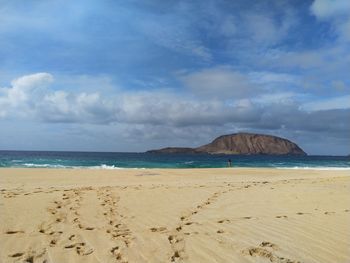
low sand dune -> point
(198, 215)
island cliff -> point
(242, 143)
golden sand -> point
(164, 215)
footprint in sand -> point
(85, 228)
(117, 254)
(179, 228)
(30, 256)
(59, 219)
(329, 213)
(281, 216)
(80, 248)
(11, 232)
(176, 256)
(53, 242)
(261, 252)
(173, 239)
(16, 255)
(224, 221)
(268, 244)
(158, 229)
(29, 259)
(82, 251)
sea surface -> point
(108, 160)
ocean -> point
(109, 160)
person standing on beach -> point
(229, 163)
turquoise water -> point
(101, 160)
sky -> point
(91, 75)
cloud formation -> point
(30, 97)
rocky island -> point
(241, 143)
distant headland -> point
(241, 143)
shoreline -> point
(77, 177)
(318, 168)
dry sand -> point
(194, 215)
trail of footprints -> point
(60, 211)
(16, 192)
(66, 210)
(116, 228)
(177, 236)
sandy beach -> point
(169, 215)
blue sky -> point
(130, 76)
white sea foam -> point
(35, 165)
(102, 166)
(113, 167)
(105, 167)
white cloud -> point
(342, 102)
(285, 98)
(329, 8)
(167, 110)
(344, 29)
(335, 11)
(32, 81)
(58, 100)
(219, 82)
(263, 28)
(21, 91)
(26, 85)
(30, 97)
(265, 77)
(317, 70)
(170, 109)
(139, 107)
